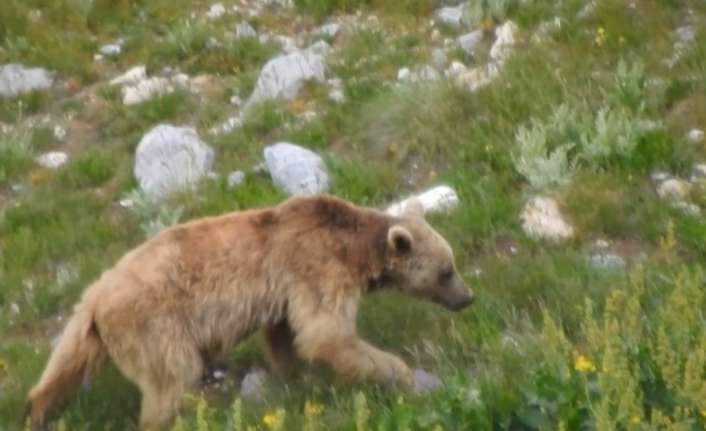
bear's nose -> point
(463, 303)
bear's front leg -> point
(333, 340)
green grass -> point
(521, 356)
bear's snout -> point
(454, 297)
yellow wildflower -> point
(312, 409)
(584, 365)
(635, 420)
(600, 36)
(274, 421)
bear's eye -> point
(445, 275)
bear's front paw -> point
(425, 382)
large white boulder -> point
(170, 158)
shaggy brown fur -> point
(195, 290)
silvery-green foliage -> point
(629, 86)
(543, 166)
(154, 217)
(615, 132)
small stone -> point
(404, 74)
(212, 43)
(541, 219)
(110, 50)
(253, 385)
(228, 125)
(587, 11)
(296, 170)
(235, 100)
(456, 69)
(606, 261)
(52, 159)
(504, 42)
(440, 199)
(216, 11)
(337, 95)
(244, 30)
(674, 188)
(451, 15)
(59, 133)
(469, 41)
(329, 30)
(131, 77)
(698, 172)
(16, 80)
(696, 136)
(439, 58)
(146, 90)
(425, 382)
(235, 179)
(659, 176)
(687, 208)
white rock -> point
(235, 179)
(439, 58)
(404, 74)
(282, 77)
(216, 11)
(587, 11)
(673, 188)
(235, 100)
(111, 50)
(451, 15)
(541, 219)
(146, 90)
(253, 385)
(288, 44)
(329, 30)
(469, 41)
(228, 125)
(477, 77)
(296, 170)
(425, 382)
(504, 42)
(337, 95)
(606, 261)
(687, 208)
(212, 43)
(696, 136)
(170, 158)
(52, 159)
(59, 133)
(455, 70)
(16, 79)
(245, 30)
(440, 199)
(659, 176)
(698, 172)
(547, 28)
(131, 77)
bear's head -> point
(420, 262)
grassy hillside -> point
(588, 112)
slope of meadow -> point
(595, 105)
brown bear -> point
(197, 289)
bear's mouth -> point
(454, 301)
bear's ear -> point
(399, 239)
(414, 208)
